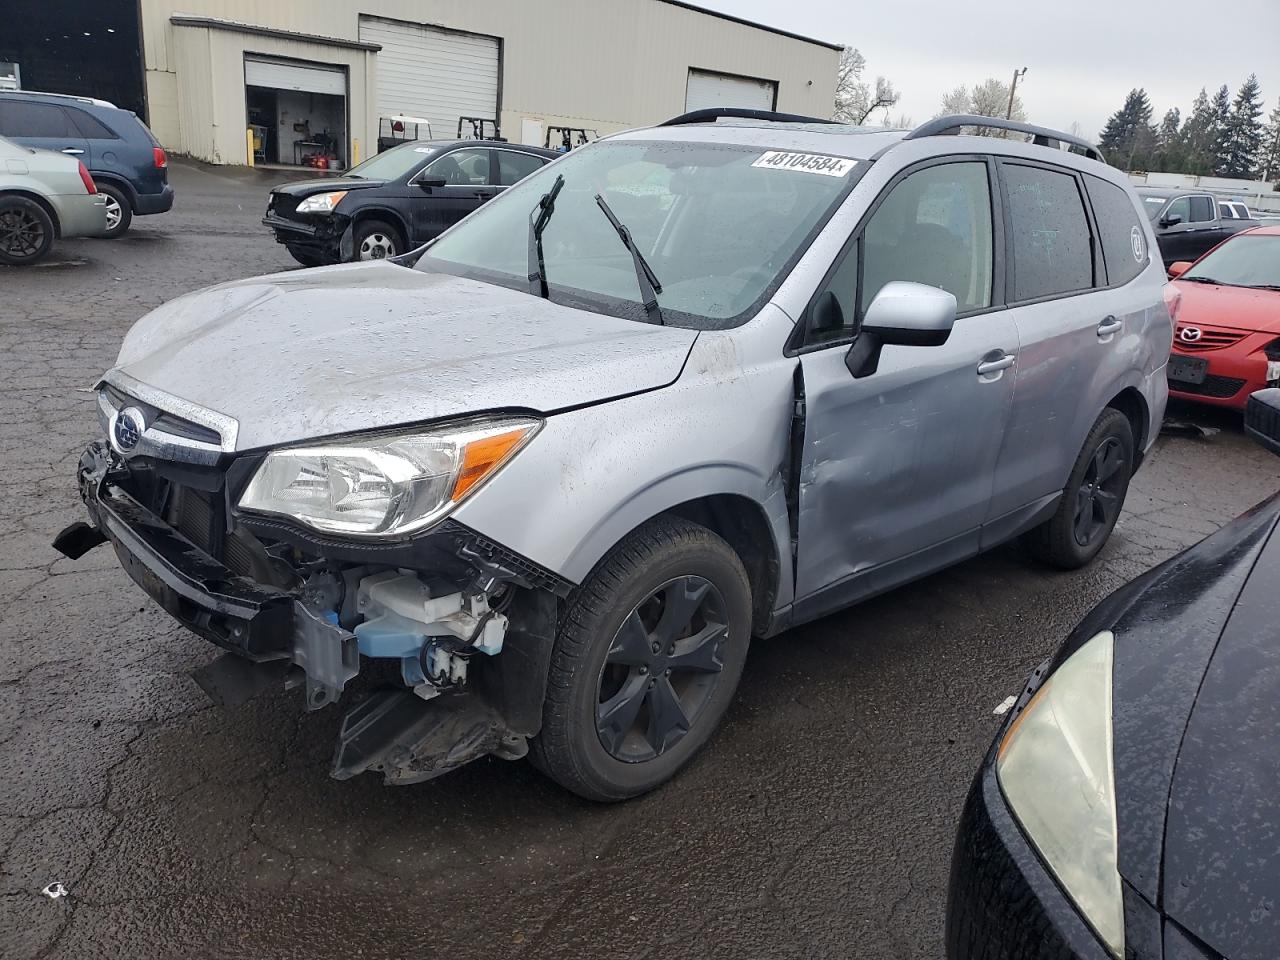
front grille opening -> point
(1219, 388)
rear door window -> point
(1051, 245)
(46, 121)
(1124, 242)
(514, 167)
(1201, 209)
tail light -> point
(87, 180)
(1172, 300)
(161, 160)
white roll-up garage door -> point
(708, 89)
(433, 73)
(282, 75)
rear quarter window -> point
(1124, 242)
(90, 127)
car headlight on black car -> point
(1055, 769)
(388, 485)
(321, 202)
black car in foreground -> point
(1130, 806)
(396, 200)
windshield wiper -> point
(1200, 280)
(648, 280)
(1264, 286)
(538, 220)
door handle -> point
(1110, 325)
(72, 150)
(988, 367)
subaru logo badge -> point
(1191, 334)
(126, 429)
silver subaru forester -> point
(686, 386)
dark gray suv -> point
(126, 160)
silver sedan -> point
(44, 196)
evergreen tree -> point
(1220, 108)
(1271, 147)
(1197, 136)
(1242, 133)
(1169, 153)
(1128, 139)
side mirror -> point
(903, 314)
(427, 183)
(1179, 268)
(1262, 418)
(1171, 220)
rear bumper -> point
(82, 216)
(145, 204)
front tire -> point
(1093, 498)
(648, 655)
(376, 240)
(119, 212)
(26, 231)
(305, 256)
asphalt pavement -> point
(818, 823)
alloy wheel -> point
(113, 212)
(21, 233)
(377, 246)
(1098, 497)
(661, 669)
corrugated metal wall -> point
(605, 64)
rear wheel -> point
(376, 240)
(119, 212)
(647, 658)
(1093, 498)
(26, 231)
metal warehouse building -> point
(309, 76)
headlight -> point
(1055, 768)
(321, 202)
(386, 485)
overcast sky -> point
(1082, 56)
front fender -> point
(593, 475)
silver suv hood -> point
(300, 355)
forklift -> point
(569, 138)
(480, 127)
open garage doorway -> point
(297, 112)
(90, 48)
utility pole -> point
(1013, 88)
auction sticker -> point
(806, 163)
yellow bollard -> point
(248, 145)
(355, 152)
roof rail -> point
(65, 96)
(1041, 136)
(712, 114)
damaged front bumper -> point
(472, 638)
(327, 238)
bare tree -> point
(990, 98)
(856, 99)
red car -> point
(1226, 313)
